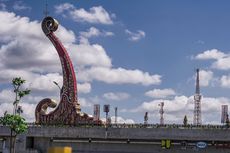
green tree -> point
(15, 122)
(19, 93)
(17, 125)
(185, 122)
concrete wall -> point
(117, 140)
(132, 133)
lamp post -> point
(57, 84)
(106, 110)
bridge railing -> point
(178, 126)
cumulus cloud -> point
(160, 93)
(135, 36)
(175, 109)
(28, 104)
(116, 96)
(210, 54)
(96, 14)
(27, 40)
(121, 120)
(85, 102)
(221, 59)
(93, 32)
(222, 63)
(119, 76)
(225, 81)
(89, 55)
(6, 96)
(84, 87)
(205, 78)
(28, 110)
(45, 82)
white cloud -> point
(175, 109)
(61, 8)
(44, 82)
(85, 103)
(160, 93)
(210, 54)
(96, 14)
(28, 110)
(121, 120)
(225, 81)
(222, 63)
(119, 76)
(89, 55)
(6, 107)
(19, 5)
(6, 96)
(116, 96)
(135, 36)
(205, 77)
(39, 82)
(84, 87)
(93, 32)
(27, 40)
(222, 60)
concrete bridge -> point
(123, 138)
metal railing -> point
(175, 126)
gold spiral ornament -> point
(49, 25)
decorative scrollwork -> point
(49, 25)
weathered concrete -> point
(117, 140)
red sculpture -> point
(68, 111)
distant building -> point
(96, 113)
(224, 113)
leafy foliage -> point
(16, 123)
(17, 83)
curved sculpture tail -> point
(68, 110)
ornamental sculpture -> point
(68, 110)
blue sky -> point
(130, 54)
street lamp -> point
(57, 84)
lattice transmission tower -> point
(197, 102)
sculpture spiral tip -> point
(49, 25)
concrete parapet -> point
(135, 139)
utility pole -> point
(106, 110)
(115, 115)
(161, 111)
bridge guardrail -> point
(140, 125)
